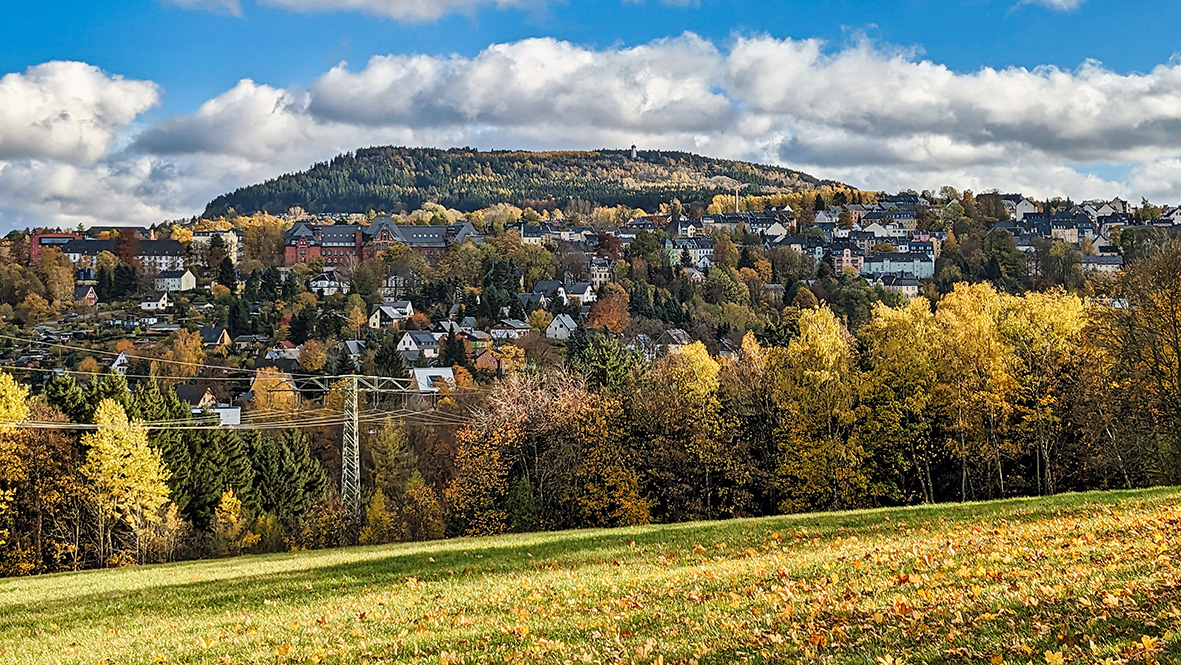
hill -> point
(1078, 577)
(393, 179)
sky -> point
(139, 111)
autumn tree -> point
(127, 479)
(611, 311)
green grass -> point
(1086, 576)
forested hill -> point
(395, 179)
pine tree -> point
(226, 275)
(64, 394)
(239, 471)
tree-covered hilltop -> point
(396, 179)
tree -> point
(1043, 329)
(364, 281)
(231, 527)
(127, 247)
(975, 380)
(127, 479)
(227, 276)
(313, 356)
(611, 311)
(13, 402)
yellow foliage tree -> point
(127, 478)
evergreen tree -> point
(64, 394)
(227, 276)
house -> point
(675, 340)
(153, 255)
(231, 240)
(906, 285)
(86, 296)
(398, 283)
(423, 342)
(1019, 206)
(198, 398)
(549, 290)
(326, 283)
(490, 362)
(155, 301)
(510, 329)
(1103, 264)
(847, 258)
(433, 379)
(121, 363)
(920, 266)
(601, 272)
(176, 280)
(336, 243)
(561, 327)
(477, 340)
(581, 293)
(243, 342)
(215, 336)
(390, 313)
(532, 235)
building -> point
(423, 342)
(383, 316)
(921, 266)
(1103, 264)
(231, 240)
(155, 301)
(153, 255)
(85, 296)
(602, 271)
(581, 293)
(42, 241)
(176, 280)
(337, 243)
(510, 329)
(213, 337)
(326, 283)
(561, 327)
(433, 379)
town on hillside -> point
(505, 287)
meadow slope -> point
(1086, 578)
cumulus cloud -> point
(867, 114)
(67, 111)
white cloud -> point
(231, 7)
(403, 10)
(1060, 5)
(869, 115)
(67, 111)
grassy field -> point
(1088, 578)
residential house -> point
(1103, 264)
(85, 296)
(1019, 206)
(675, 340)
(477, 340)
(561, 327)
(582, 293)
(155, 301)
(423, 342)
(198, 398)
(908, 286)
(847, 258)
(920, 266)
(510, 329)
(153, 255)
(176, 280)
(550, 290)
(601, 272)
(433, 379)
(327, 283)
(215, 336)
(398, 283)
(383, 316)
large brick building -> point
(335, 243)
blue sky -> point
(168, 102)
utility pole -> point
(350, 445)
(350, 449)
